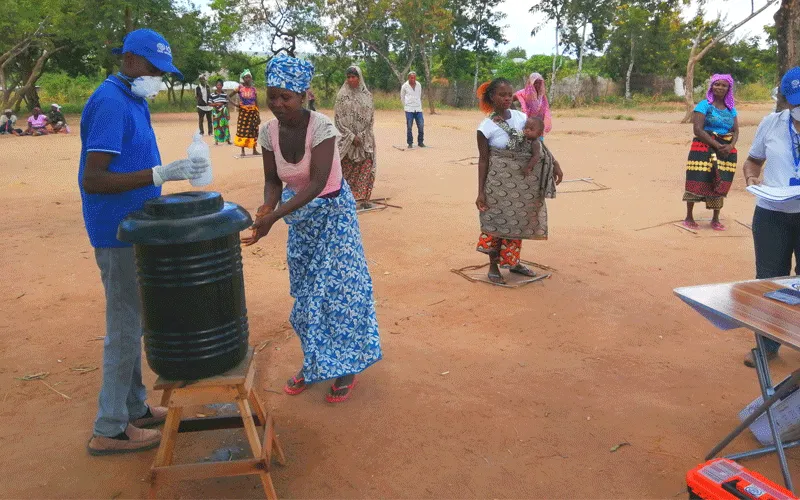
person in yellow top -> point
(249, 118)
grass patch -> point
(754, 92)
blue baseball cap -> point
(790, 86)
(153, 47)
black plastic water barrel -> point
(189, 266)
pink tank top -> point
(297, 176)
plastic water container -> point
(198, 150)
(191, 286)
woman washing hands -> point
(334, 311)
(512, 183)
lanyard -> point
(795, 149)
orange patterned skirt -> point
(506, 250)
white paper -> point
(776, 194)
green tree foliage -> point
(272, 27)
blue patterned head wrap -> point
(289, 73)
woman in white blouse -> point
(511, 197)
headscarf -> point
(355, 116)
(729, 102)
(535, 104)
(244, 74)
(54, 105)
(289, 73)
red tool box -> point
(723, 479)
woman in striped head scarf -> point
(334, 311)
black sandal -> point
(520, 269)
(496, 278)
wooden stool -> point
(234, 386)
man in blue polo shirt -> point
(120, 169)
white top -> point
(204, 95)
(411, 97)
(773, 143)
(496, 136)
(4, 119)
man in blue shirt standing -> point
(120, 169)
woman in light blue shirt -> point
(712, 157)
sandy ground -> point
(483, 392)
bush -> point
(70, 92)
(754, 92)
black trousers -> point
(776, 237)
(207, 114)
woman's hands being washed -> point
(265, 219)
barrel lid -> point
(189, 204)
(183, 218)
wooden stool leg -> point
(168, 437)
(165, 397)
(249, 427)
(151, 492)
(255, 403)
(274, 445)
(269, 488)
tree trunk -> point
(401, 75)
(5, 59)
(576, 90)
(787, 33)
(183, 88)
(477, 50)
(128, 19)
(36, 72)
(553, 74)
(630, 72)
(426, 64)
(688, 87)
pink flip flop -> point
(690, 225)
(294, 391)
(330, 398)
(718, 226)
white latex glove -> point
(179, 170)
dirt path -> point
(484, 392)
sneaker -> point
(410, 146)
(422, 145)
(130, 441)
(751, 363)
(155, 415)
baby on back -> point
(533, 132)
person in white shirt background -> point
(203, 93)
(8, 123)
(411, 97)
(776, 225)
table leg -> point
(787, 387)
(760, 451)
(765, 381)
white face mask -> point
(146, 86)
(796, 113)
